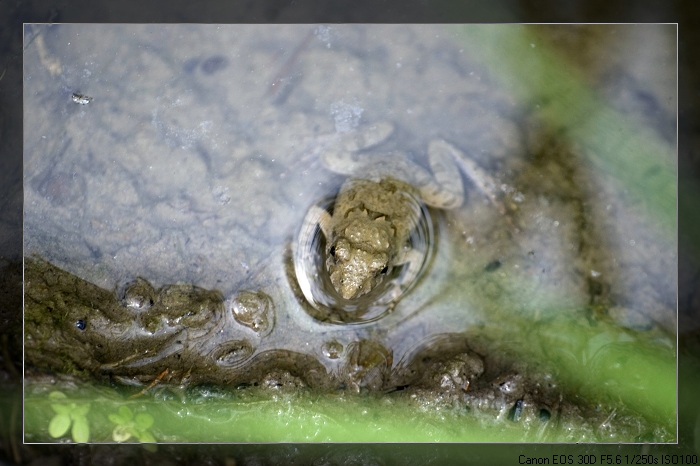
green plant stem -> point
(643, 163)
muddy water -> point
(198, 157)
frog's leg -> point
(303, 251)
(445, 191)
(485, 182)
(340, 158)
(488, 185)
(413, 260)
(318, 216)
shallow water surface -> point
(198, 158)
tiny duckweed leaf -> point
(61, 409)
(57, 396)
(143, 421)
(59, 425)
(117, 419)
(146, 437)
(126, 413)
(81, 410)
(81, 430)
(121, 433)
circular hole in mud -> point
(137, 295)
(332, 349)
(253, 310)
(232, 353)
(325, 303)
(367, 366)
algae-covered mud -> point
(171, 172)
(188, 340)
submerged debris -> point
(81, 99)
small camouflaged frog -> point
(376, 209)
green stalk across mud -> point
(627, 374)
(643, 164)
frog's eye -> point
(385, 269)
(332, 251)
(80, 324)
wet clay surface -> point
(187, 337)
